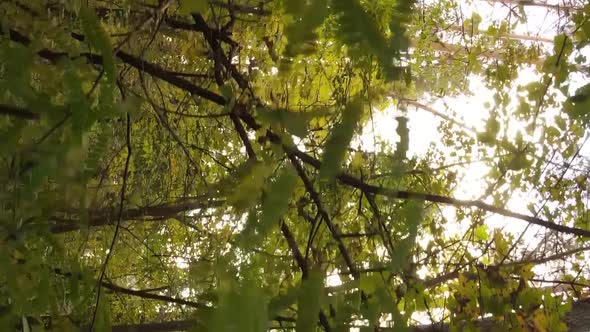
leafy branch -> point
(349, 180)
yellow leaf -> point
(501, 244)
(357, 161)
(540, 321)
(527, 272)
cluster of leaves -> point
(365, 29)
(191, 164)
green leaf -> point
(78, 104)
(562, 45)
(518, 162)
(309, 301)
(529, 299)
(493, 125)
(17, 70)
(251, 177)
(560, 122)
(412, 216)
(132, 106)
(492, 128)
(370, 282)
(227, 91)
(296, 125)
(371, 311)
(103, 315)
(242, 308)
(364, 36)
(578, 105)
(99, 40)
(293, 122)
(399, 322)
(337, 143)
(274, 205)
(481, 233)
(276, 202)
(306, 18)
(282, 301)
(193, 6)
(501, 244)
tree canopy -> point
(223, 165)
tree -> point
(180, 165)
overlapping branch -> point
(344, 178)
(104, 217)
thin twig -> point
(117, 226)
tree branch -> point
(243, 136)
(303, 267)
(104, 217)
(409, 195)
(18, 112)
(152, 296)
(543, 260)
(316, 199)
(118, 224)
(176, 24)
(242, 9)
(349, 180)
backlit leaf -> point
(293, 122)
(412, 216)
(308, 302)
(241, 308)
(250, 178)
(277, 199)
(307, 17)
(98, 39)
(103, 316)
(339, 139)
(481, 233)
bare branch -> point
(157, 212)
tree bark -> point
(157, 212)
